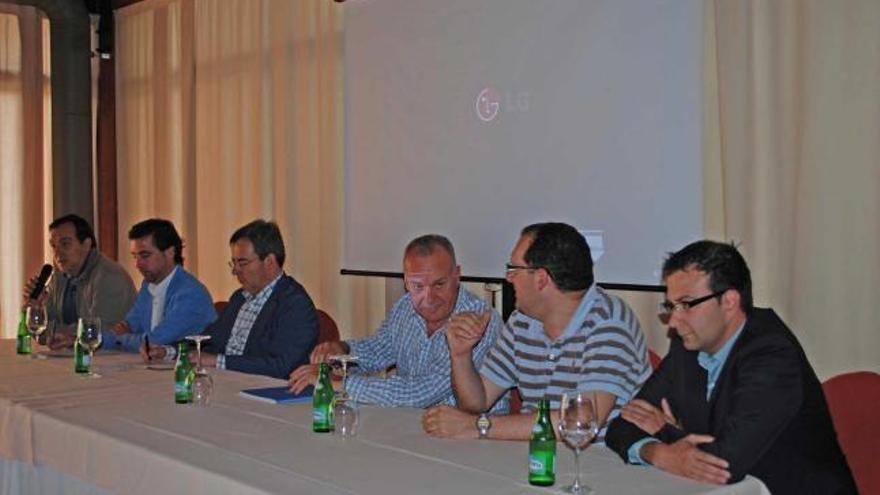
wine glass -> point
(36, 323)
(578, 425)
(198, 340)
(203, 383)
(345, 416)
(90, 338)
(343, 361)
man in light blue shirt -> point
(412, 337)
(171, 303)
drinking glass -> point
(578, 426)
(36, 324)
(203, 383)
(343, 361)
(202, 387)
(345, 416)
(90, 338)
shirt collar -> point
(588, 300)
(161, 287)
(91, 261)
(711, 362)
(264, 292)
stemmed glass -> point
(203, 384)
(345, 411)
(343, 361)
(36, 323)
(90, 338)
(578, 425)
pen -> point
(147, 347)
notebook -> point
(278, 395)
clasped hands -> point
(681, 457)
(307, 374)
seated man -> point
(745, 398)
(171, 303)
(270, 325)
(568, 335)
(85, 282)
(412, 336)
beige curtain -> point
(25, 154)
(792, 120)
(229, 110)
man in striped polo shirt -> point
(567, 335)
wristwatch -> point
(483, 424)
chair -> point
(654, 359)
(327, 329)
(852, 398)
(219, 306)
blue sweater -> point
(188, 310)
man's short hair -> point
(266, 238)
(83, 229)
(164, 236)
(561, 250)
(726, 267)
(425, 245)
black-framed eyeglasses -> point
(668, 307)
(510, 268)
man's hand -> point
(449, 422)
(61, 341)
(121, 328)
(302, 377)
(157, 352)
(685, 459)
(464, 330)
(25, 295)
(647, 417)
(306, 375)
(326, 349)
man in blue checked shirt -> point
(412, 338)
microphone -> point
(42, 278)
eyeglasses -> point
(240, 263)
(668, 307)
(510, 268)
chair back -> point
(852, 398)
(654, 359)
(327, 329)
(219, 306)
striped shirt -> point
(422, 378)
(602, 348)
(244, 321)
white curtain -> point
(25, 154)
(230, 110)
(792, 121)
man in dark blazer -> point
(735, 395)
(270, 325)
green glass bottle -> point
(542, 448)
(81, 358)
(322, 401)
(23, 338)
(183, 376)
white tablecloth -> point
(124, 433)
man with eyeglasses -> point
(412, 337)
(270, 325)
(171, 302)
(568, 335)
(735, 395)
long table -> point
(123, 433)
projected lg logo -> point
(490, 102)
